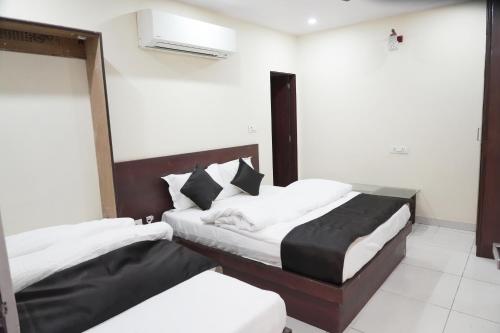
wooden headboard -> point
(140, 191)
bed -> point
(256, 260)
(208, 302)
(264, 246)
(115, 276)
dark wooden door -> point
(488, 228)
(284, 128)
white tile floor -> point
(441, 287)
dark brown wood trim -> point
(35, 43)
(110, 195)
(293, 89)
(100, 120)
(484, 125)
(46, 39)
(44, 28)
(141, 192)
(323, 305)
(488, 218)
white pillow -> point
(176, 182)
(40, 239)
(227, 172)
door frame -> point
(488, 214)
(293, 124)
(59, 41)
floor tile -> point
(462, 323)
(482, 269)
(480, 299)
(423, 254)
(454, 239)
(447, 238)
(423, 284)
(298, 326)
(423, 231)
(391, 313)
(426, 284)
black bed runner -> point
(316, 249)
(87, 294)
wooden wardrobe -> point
(488, 227)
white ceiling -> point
(291, 15)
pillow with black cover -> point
(247, 179)
(201, 188)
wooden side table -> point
(405, 193)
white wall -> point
(357, 100)
(48, 171)
(163, 104)
(160, 103)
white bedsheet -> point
(208, 302)
(39, 239)
(33, 267)
(265, 245)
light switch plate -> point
(400, 150)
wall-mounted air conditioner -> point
(167, 32)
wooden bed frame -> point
(140, 192)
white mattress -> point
(265, 245)
(208, 302)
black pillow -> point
(247, 179)
(201, 188)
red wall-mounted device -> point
(399, 38)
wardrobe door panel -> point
(488, 229)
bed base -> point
(326, 306)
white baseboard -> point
(447, 224)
